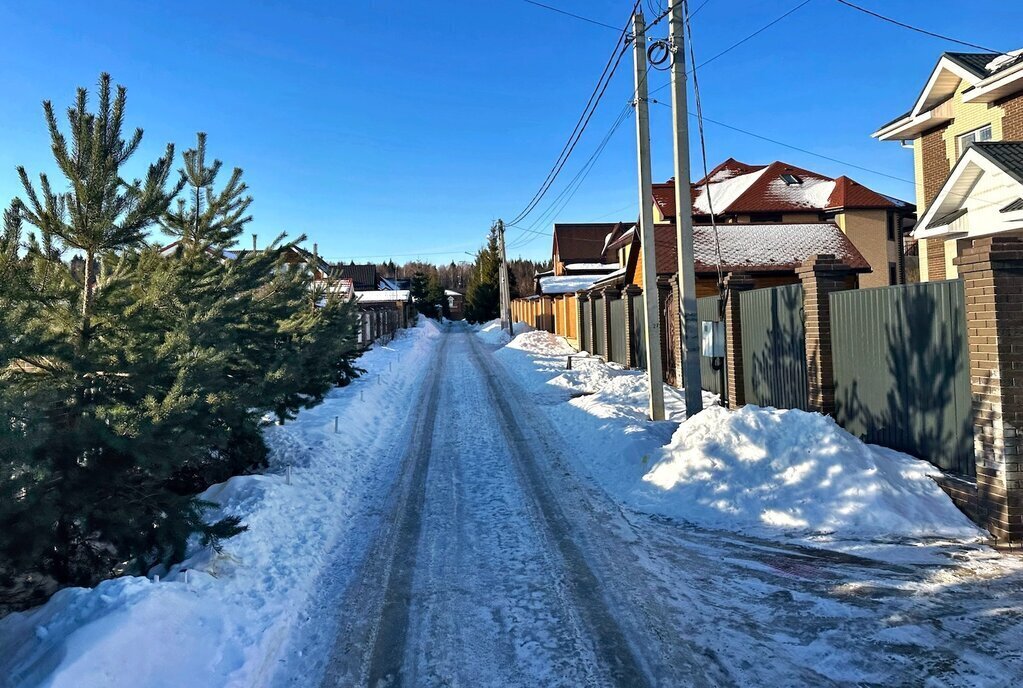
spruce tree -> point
(482, 297)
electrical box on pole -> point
(690, 337)
(651, 306)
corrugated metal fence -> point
(637, 339)
(599, 345)
(774, 347)
(618, 331)
(902, 371)
(708, 309)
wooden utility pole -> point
(690, 337)
(651, 306)
(506, 321)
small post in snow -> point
(360, 394)
(335, 424)
(156, 578)
(186, 577)
(569, 365)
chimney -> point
(253, 241)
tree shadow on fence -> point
(777, 370)
(919, 405)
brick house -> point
(780, 193)
(968, 98)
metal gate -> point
(619, 331)
(774, 347)
(584, 336)
(638, 336)
(708, 309)
(902, 370)
(599, 345)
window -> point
(982, 134)
(791, 179)
(893, 222)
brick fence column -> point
(609, 294)
(992, 272)
(821, 275)
(629, 293)
(735, 388)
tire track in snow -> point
(371, 645)
(625, 667)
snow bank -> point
(759, 468)
(761, 471)
(220, 619)
(492, 334)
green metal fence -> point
(774, 347)
(902, 371)
(584, 334)
(619, 331)
(599, 345)
(708, 309)
(637, 337)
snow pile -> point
(767, 472)
(793, 470)
(221, 619)
(492, 334)
(541, 343)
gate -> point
(619, 331)
(708, 309)
(584, 337)
(902, 370)
(599, 345)
(774, 347)
(637, 335)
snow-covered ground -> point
(220, 619)
(768, 472)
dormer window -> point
(982, 134)
(791, 179)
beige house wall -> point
(868, 231)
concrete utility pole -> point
(651, 306)
(506, 323)
(684, 218)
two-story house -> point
(966, 132)
(783, 194)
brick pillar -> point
(629, 294)
(676, 343)
(821, 275)
(992, 272)
(609, 293)
(735, 388)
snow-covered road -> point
(494, 563)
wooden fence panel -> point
(902, 370)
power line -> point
(591, 104)
(570, 14)
(917, 28)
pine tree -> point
(482, 298)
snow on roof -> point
(590, 267)
(1004, 60)
(566, 284)
(724, 192)
(383, 296)
(812, 193)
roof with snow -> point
(566, 284)
(774, 247)
(735, 187)
(383, 296)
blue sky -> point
(384, 129)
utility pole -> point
(651, 307)
(506, 322)
(684, 218)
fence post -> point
(821, 275)
(735, 387)
(992, 272)
(629, 293)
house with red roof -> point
(779, 193)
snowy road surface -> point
(488, 561)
